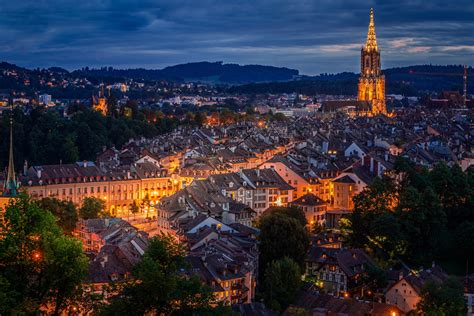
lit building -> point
(372, 81)
(45, 99)
(100, 103)
(119, 190)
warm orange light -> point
(346, 295)
(36, 255)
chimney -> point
(25, 168)
(400, 275)
(84, 163)
(371, 164)
(38, 173)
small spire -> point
(371, 43)
(10, 187)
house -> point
(227, 263)
(406, 293)
(468, 283)
(336, 270)
(311, 302)
(313, 207)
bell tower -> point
(371, 80)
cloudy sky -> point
(313, 36)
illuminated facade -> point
(372, 81)
(100, 104)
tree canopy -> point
(418, 219)
(281, 283)
(65, 212)
(41, 267)
(92, 208)
(161, 286)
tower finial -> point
(371, 43)
(10, 187)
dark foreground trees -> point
(40, 267)
(162, 287)
(284, 242)
(282, 282)
(92, 208)
(65, 212)
(442, 298)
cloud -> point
(313, 36)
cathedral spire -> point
(371, 43)
(10, 186)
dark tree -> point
(282, 236)
(65, 212)
(281, 283)
(92, 208)
(40, 265)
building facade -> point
(372, 81)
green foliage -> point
(93, 208)
(282, 234)
(45, 136)
(288, 211)
(135, 207)
(65, 212)
(418, 219)
(162, 287)
(282, 282)
(40, 265)
(439, 299)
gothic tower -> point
(371, 80)
(100, 104)
(10, 186)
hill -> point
(212, 72)
(409, 81)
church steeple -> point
(371, 80)
(371, 43)
(10, 187)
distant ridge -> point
(212, 72)
(409, 81)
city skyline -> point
(316, 37)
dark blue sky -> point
(312, 36)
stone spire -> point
(371, 44)
(10, 187)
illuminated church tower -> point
(372, 81)
(100, 104)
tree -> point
(41, 267)
(134, 207)
(441, 299)
(282, 236)
(289, 211)
(65, 212)
(92, 208)
(282, 282)
(160, 286)
(200, 119)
